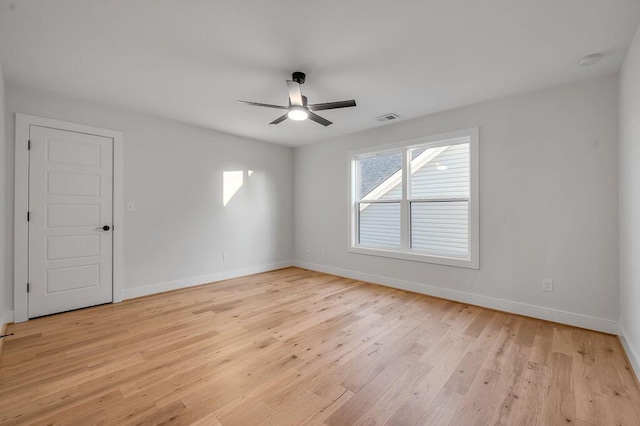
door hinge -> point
(28, 288)
(29, 144)
(28, 216)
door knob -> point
(103, 228)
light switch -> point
(131, 206)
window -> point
(418, 200)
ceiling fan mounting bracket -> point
(298, 77)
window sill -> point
(416, 257)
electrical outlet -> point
(308, 249)
(225, 257)
(131, 206)
(324, 252)
(547, 284)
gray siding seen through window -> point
(438, 200)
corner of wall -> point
(629, 202)
(4, 280)
(632, 353)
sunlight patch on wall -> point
(231, 183)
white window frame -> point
(404, 252)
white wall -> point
(174, 173)
(549, 205)
(5, 305)
(630, 202)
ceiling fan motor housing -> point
(298, 77)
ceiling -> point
(190, 60)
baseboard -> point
(632, 353)
(130, 293)
(3, 331)
(563, 317)
(5, 320)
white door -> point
(70, 220)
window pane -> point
(417, 151)
(441, 172)
(440, 228)
(380, 177)
(380, 224)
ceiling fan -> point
(298, 108)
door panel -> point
(68, 152)
(73, 246)
(70, 199)
(73, 215)
(73, 278)
(84, 184)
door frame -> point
(21, 226)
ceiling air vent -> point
(387, 117)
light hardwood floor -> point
(300, 347)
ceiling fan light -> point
(298, 114)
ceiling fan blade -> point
(295, 95)
(318, 119)
(262, 105)
(279, 119)
(332, 105)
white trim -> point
(411, 256)
(118, 217)
(130, 293)
(21, 230)
(3, 330)
(541, 312)
(450, 138)
(7, 318)
(441, 139)
(20, 225)
(632, 353)
(4, 321)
